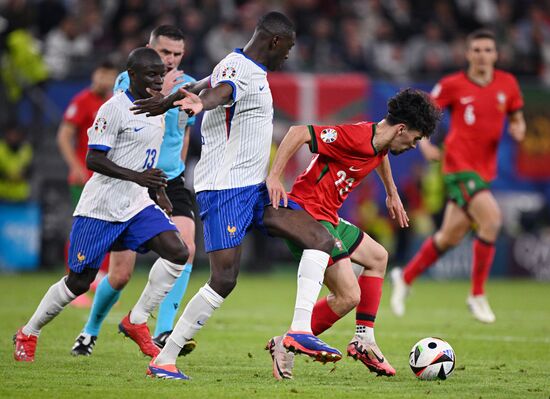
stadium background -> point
(349, 58)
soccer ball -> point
(431, 359)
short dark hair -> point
(169, 31)
(141, 56)
(481, 34)
(276, 23)
(415, 109)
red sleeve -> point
(515, 100)
(441, 94)
(75, 112)
(339, 141)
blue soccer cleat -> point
(165, 371)
(309, 344)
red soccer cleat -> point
(371, 356)
(25, 346)
(140, 334)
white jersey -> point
(236, 138)
(132, 142)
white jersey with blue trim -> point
(132, 142)
(176, 122)
(236, 138)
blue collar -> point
(240, 51)
(127, 92)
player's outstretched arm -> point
(97, 161)
(516, 125)
(293, 140)
(157, 104)
(393, 201)
(429, 151)
(65, 137)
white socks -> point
(57, 297)
(195, 315)
(162, 277)
(311, 274)
(365, 333)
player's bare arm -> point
(97, 161)
(209, 99)
(197, 87)
(163, 201)
(393, 201)
(429, 151)
(293, 140)
(516, 125)
(65, 138)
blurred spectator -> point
(65, 47)
(428, 53)
(223, 39)
(15, 165)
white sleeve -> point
(103, 133)
(234, 73)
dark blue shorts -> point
(92, 238)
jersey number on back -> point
(150, 157)
(342, 181)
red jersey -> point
(81, 112)
(345, 156)
(477, 120)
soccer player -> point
(231, 193)
(168, 42)
(115, 209)
(479, 99)
(72, 139)
(345, 155)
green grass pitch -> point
(510, 359)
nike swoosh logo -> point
(137, 129)
(262, 87)
(466, 100)
(380, 359)
(200, 323)
(354, 169)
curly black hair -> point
(415, 109)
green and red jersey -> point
(477, 119)
(345, 155)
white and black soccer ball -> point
(431, 359)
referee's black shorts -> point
(183, 201)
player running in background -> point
(168, 42)
(345, 155)
(479, 100)
(115, 208)
(231, 193)
(72, 141)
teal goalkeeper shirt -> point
(174, 132)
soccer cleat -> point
(140, 334)
(165, 371)
(283, 360)
(399, 292)
(480, 309)
(309, 344)
(370, 355)
(84, 345)
(160, 341)
(25, 346)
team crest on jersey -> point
(329, 135)
(100, 125)
(229, 72)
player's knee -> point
(79, 283)
(119, 279)
(323, 241)
(178, 254)
(444, 242)
(349, 298)
(380, 259)
(191, 249)
(223, 284)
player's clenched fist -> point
(151, 178)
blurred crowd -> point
(397, 40)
